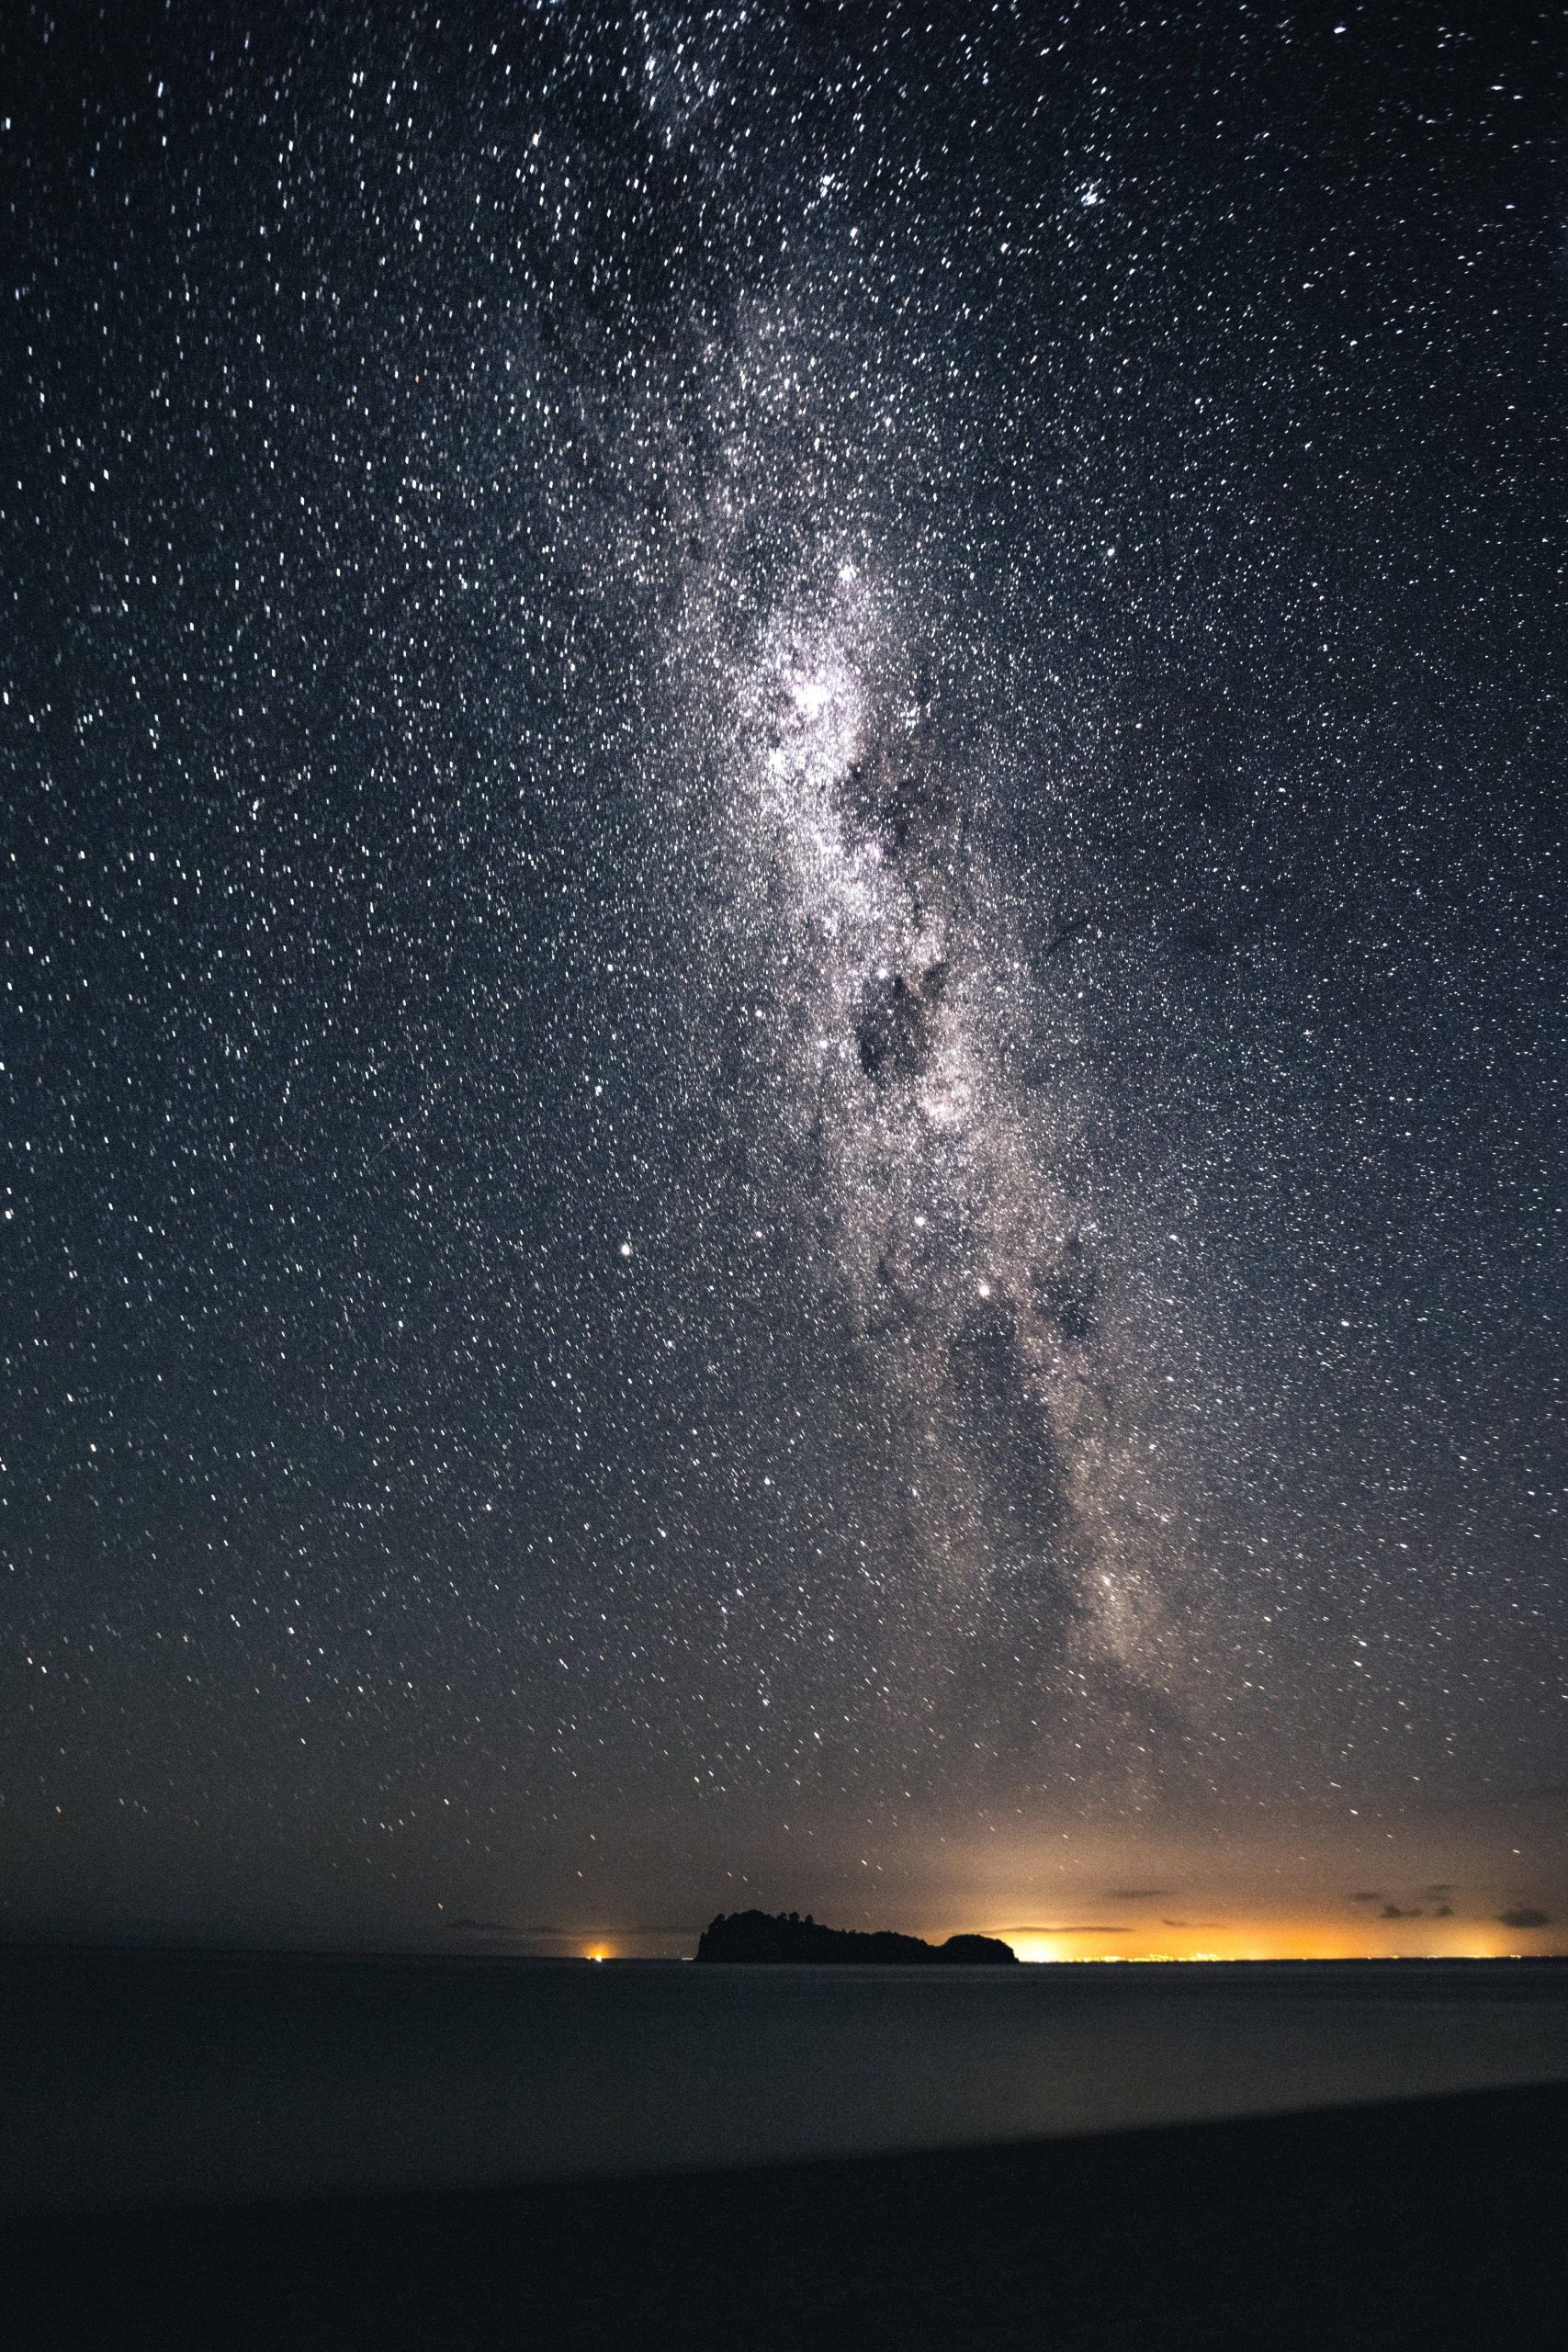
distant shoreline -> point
(498, 1950)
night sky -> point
(782, 973)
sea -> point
(138, 2077)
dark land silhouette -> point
(785, 1936)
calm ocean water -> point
(136, 2076)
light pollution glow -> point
(1287, 1939)
(1271, 1937)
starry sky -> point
(782, 973)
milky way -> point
(783, 984)
(968, 1267)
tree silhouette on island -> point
(763, 1936)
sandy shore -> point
(1430, 2221)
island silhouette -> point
(785, 1936)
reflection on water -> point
(142, 2075)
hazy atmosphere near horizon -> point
(783, 1017)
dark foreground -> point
(1430, 2221)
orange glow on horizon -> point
(1279, 1938)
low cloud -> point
(1139, 1893)
(1059, 1931)
(1392, 1911)
(1525, 1917)
(580, 1935)
(1372, 1895)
